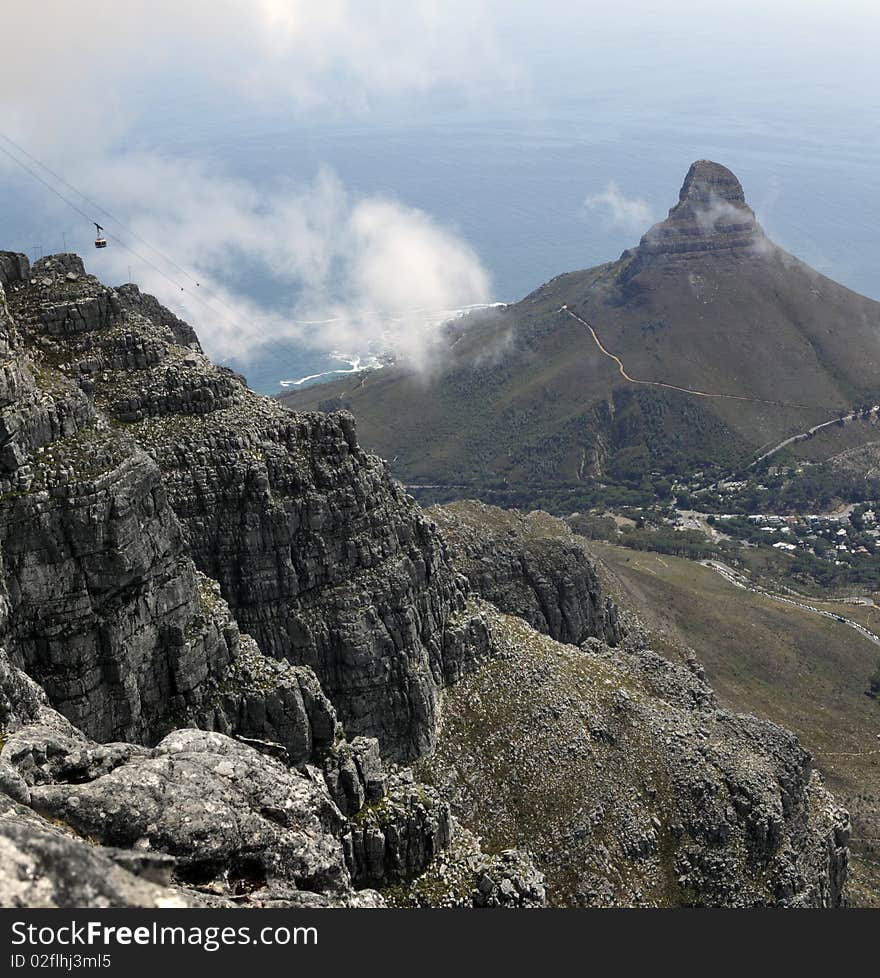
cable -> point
(98, 207)
(268, 340)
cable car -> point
(100, 240)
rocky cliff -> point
(104, 606)
(615, 767)
(204, 819)
(711, 216)
(532, 566)
(116, 638)
(224, 624)
(321, 557)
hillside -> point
(226, 631)
(527, 396)
(799, 669)
(806, 672)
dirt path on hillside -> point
(688, 390)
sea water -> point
(514, 185)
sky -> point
(83, 85)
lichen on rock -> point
(224, 627)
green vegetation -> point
(560, 500)
(797, 668)
(804, 489)
(668, 540)
(593, 527)
(874, 682)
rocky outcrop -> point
(132, 299)
(162, 529)
(321, 557)
(103, 606)
(202, 818)
(629, 785)
(532, 566)
(464, 876)
(200, 810)
(397, 827)
(42, 866)
(220, 808)
(397, 837)
(711, 216)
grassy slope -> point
(854, 438)
(516, 394)
(803, 671)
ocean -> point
(514, 184)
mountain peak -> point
(706, 181)
(711, 216)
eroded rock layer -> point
(321, 557)
(711, 215)
(532, 566)
(197, 586)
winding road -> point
(684, 390)
(741, 581)
(804, 435)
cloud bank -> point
(362, 271)
(359, 270)
(616, 210)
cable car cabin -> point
(100, 242)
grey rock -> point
(219, 807)
(133, 299)
(711, 216)
(511, 881)
(320, 556)
(354, 774)
(532, 566)
(398, 836)
(13, 784)
(43, 867)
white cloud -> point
(360, 270)
(363, 263)
(631, 214)
(81, 70)
(719, 213)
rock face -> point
(711, 216)
(321, 557)
(255, 821)
(197, 586)
(42, 866)
(105, 608)
(108, 619)
(628, 783)
(202, 818)
(532, 566)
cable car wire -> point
(267, 338)
(103, 210)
